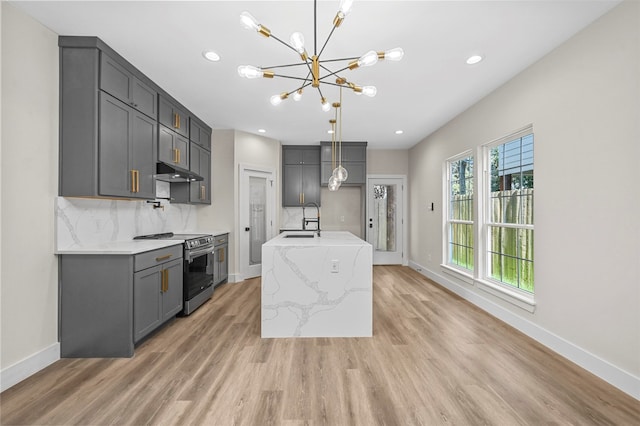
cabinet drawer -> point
(221, 239)
(156, 257)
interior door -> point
(257, 204)
(385, 219)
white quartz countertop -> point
(132, 246)
(121, 247)
(326, 239)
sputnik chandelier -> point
(317, 70)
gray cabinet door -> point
(173, 117)
(172, 294)
(115, 177)
(357, 173)
(311, 183)
(292, 186)
(200, 192)
(123, 85)
(147, 301)
(143, 155)
(127, 146)
(172, 148)
(199, 134)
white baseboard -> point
(19, 371)
(234, 278)
(608, 372)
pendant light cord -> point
(340, 124)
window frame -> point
(465, 274)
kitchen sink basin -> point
(299, 236)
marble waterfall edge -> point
(304, 296)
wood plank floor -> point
(434, 359)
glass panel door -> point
(257, 218)
(385, 219)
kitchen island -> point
(317, 286)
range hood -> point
(170, 173)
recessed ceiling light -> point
(399, 132)
(262, 131)
(474, 59)
(330, 131)
(210, 55)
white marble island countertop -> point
(317, 287)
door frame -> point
(405, 222)
(272, 193)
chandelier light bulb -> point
(297, 95)
(345, 7)
(249, 71)
(248, 21)
(277, 99)
(369, 91)
(394, 54)
(325, 105)
(368, 59)
(297, 41)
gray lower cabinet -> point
(172, 148)
(354, 159)
(109, 302)
(127, 150)
(220, 259)
(157, 297)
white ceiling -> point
(430, 86)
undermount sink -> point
(299, 236)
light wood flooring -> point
(434, 359)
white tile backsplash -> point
(81, 222)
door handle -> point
(247, 229)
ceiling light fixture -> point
(474, 59)
(210, 55)
(262, 131)
(312, 65)
(399, 132)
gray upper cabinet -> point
(200, 133)
(200, 192)
(123, 85)
(173, 116)
(110, 139)
(173, 148)
(354, 159)
(127, 150)
(300, 175)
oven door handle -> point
(192, 254)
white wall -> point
(29, 187)
(221, 214)
(584, 102)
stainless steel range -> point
(197, 269)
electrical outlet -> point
(335, 266)
(341, 218)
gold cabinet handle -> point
(222, 254)
(137, 180)
(303, 198)
(179, 155)
(179, 119)
(300, 198)
(133, 180)
(161, 258)
(175, 155)
(166, 280)
(202, 192)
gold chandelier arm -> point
(297, 64)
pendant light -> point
(340, 173)
(333, 184)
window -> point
(460, 225)
(488, 218)
(509, 214)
